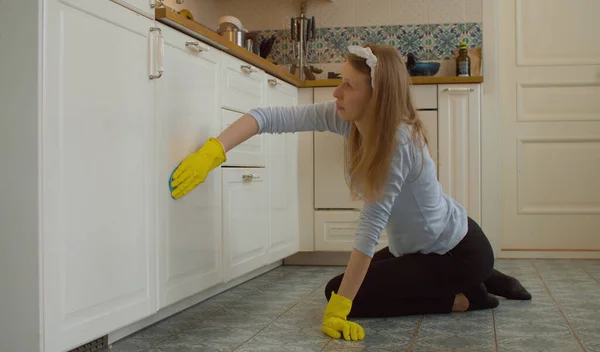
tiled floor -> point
(282, 310)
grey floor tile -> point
(456, 332)
(282, 310)
(207, 338)
(521, 342)
(275, 339)
(304, 315)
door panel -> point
(98, 172)
(550, 126)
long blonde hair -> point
(369, 156)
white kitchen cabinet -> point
(188, 107)
(245, 220)
(459, 144)
(282, 167)
(143, 7)
(250, 153)
(243, 85)
(335, 230)
(335, 212)
(97, 172)
(430, 121)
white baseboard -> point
(186, 303)
(548, 255)
(318, 258)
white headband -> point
(367, 54)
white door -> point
(283, 168)
(245, 220)
(98, 172)
(550, 113)
(143, 7)
(459, 145)
(187, 102)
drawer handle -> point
(196, 45)
(247, 68)
(459, 89)
(250, 177)
(272, 81)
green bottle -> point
(463, 61)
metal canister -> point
(235, 36)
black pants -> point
(421, 283)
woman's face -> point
(353, 95)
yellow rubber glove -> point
(335, 323)
(193, 170)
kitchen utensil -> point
(423, 68)
(254, 38)
(308, 74)
(266, 46)
(227, 23)
(187, 14)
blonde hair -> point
(369, 156)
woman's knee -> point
(333, 285)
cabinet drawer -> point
(335, 230)
(251, 153)
(191, 46)
(243, 85)
(425, 96)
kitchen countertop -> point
(191, 28)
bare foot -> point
(461, 303)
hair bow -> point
(367, 54)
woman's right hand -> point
(193, 170)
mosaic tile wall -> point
(427, 41)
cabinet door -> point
(430, 120)
(459, 145)
(143, 7)
(283, 168)
(188, 114)
(98, 166)
(331, 188)
(252, 152)
(245, 220)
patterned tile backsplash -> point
(435, 42)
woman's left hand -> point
(335, 323)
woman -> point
(438, 259)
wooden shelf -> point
(191, 28)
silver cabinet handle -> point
(247, 68)
(197, 46)
(159, 56)
(273, 81)
(250, 177)
(459, 89)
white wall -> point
(349, 13)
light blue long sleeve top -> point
(415, 212)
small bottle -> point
(463, 61)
